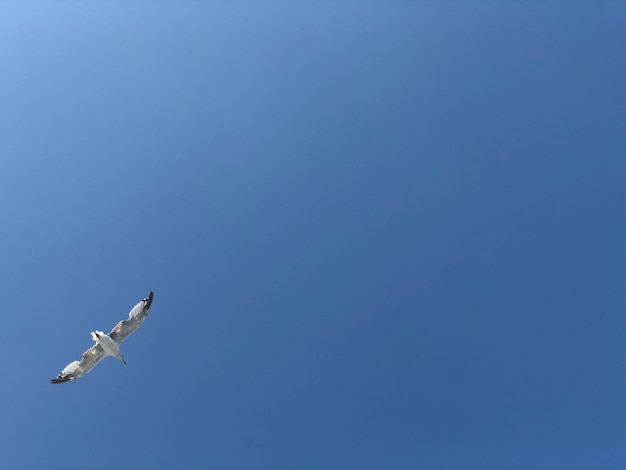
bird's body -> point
(107, 345)
(110, 347)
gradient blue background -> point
(380, 234)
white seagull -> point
(107, 345)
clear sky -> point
(380, 234)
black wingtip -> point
(148, 300)
(60, 380)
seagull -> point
(107, 345)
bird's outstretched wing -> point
(135, 318)
(77, 369)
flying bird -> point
(107, 345)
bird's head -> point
(97, 335)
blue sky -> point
(380, 234)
